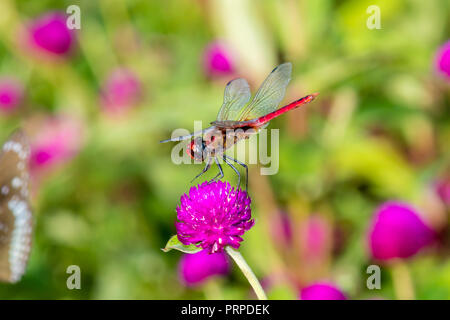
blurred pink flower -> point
(195, 268)
(443, 59)
(281, 229)
(443, 190)
(321, 291)
(120, 91)
(56, 141)
(11, 94)
(49, 35)
(315, 238)
(397, 231)
(218, 60)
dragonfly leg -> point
(220, 170)
(206, 168)
(216, 176)
(246, 169)
(235, 170)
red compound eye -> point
(190, 151)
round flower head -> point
(11, 93)
(443, 60)
(195, 268)
(214, 215)
(49, 35)
(217, 60)
(397, 232)
(321, 291)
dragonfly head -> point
(197, 148)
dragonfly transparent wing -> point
(236, 96)
(269, 94)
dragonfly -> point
(238, 119)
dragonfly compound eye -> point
(196, 149)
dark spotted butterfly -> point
(16, 220)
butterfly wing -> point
(269, 95)
(16, 221)
(236, 96)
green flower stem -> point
(403, 283)
(248, 273)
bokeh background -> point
(96, 101)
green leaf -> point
(174, 243)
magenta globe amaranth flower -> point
(443, 59)
(214, 215)
(121, 90)
(49, 34)
(397, 231)
(11, 94)
(218, 59)
(196, 268)
(321, 291)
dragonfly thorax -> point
(215, 142)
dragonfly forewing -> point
(269, 95)
(236, 96)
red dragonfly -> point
(238, 119)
